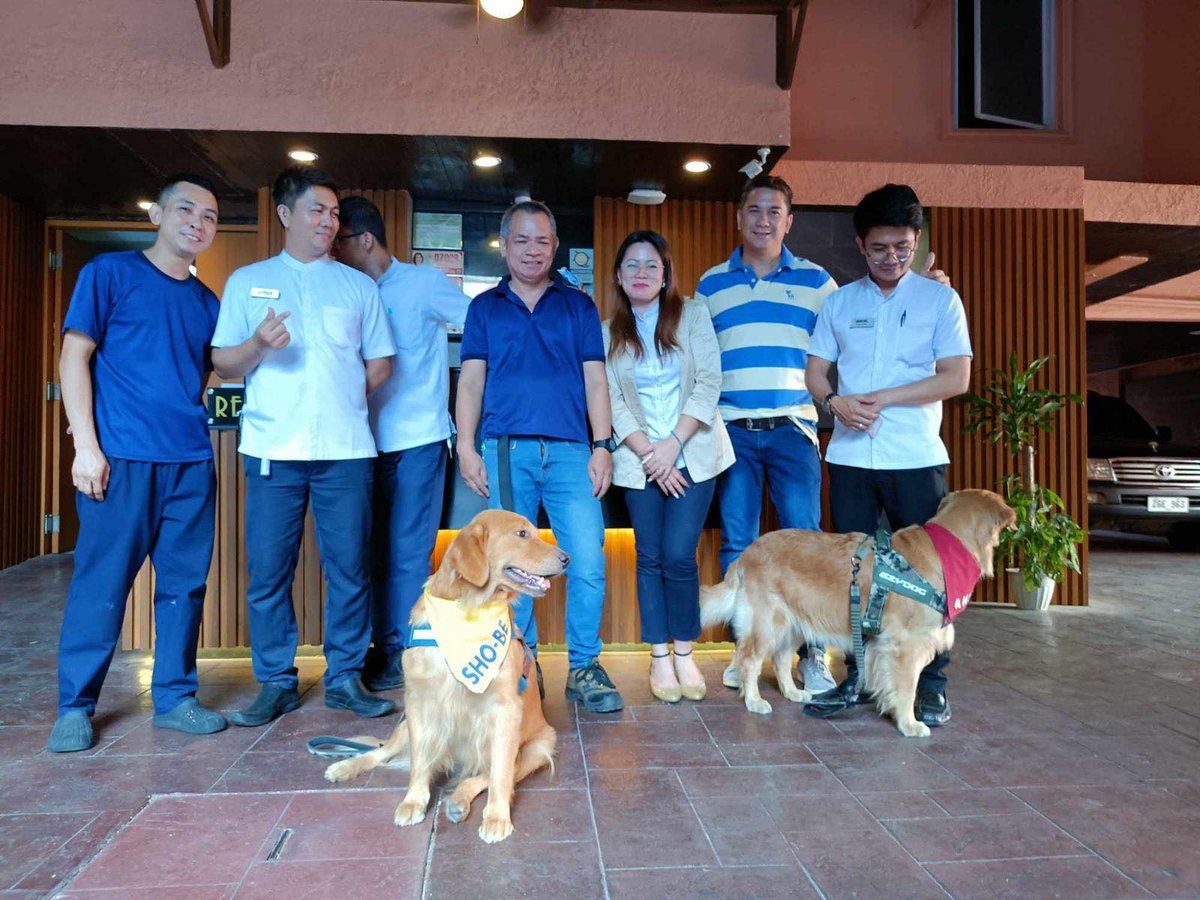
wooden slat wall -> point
(1020, 274)
(22, 397)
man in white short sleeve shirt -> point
(410, 416)
(312, 340)
(901, 346)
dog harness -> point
(473, 642)
(892, 573)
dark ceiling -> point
(1173, 250)
(102, 172)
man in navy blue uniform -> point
(134, 361)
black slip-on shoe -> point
(191, 718)
(383, 671)
(831, 702)
(933, 709)
(273, 701)
(71, 733)
(348, 694)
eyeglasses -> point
(903, 254)
(633, 266)
(346, 237)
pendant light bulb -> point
(502, 9)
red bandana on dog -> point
(959, 567)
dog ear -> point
(468, 555)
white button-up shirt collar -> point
(413, 407)
(657, 380)
(881, 342)
(307, 401)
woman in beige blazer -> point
(664, 377)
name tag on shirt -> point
(862, 323)
(264, 293)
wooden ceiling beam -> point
(789, 28)
(216, 27)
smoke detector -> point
(646, 197)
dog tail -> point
(718, 603)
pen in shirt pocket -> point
(903, 316)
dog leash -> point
(328, 746)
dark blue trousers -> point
(340, 493)
(161, 510)
(409, 486)
(666, 531)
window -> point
(1005, 71)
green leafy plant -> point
(1012, 410)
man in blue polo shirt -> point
(134, 360)
(533, 360)
(901, 347)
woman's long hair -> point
(670, 304)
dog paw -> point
(456, 810)
(914, 729)
(343, 771)
(759, 706)
(798, 696)
(410, 813)
(495, 828)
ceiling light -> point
(502, 9)
(144, 204)
(697, 165)
(646, 197)
(487, 160)
(494, 243)
(303, 156)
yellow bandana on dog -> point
(474, 642)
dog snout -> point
(563, 559)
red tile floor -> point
(1071, 769)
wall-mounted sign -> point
(225, 406)
(449, 261)
(581, 259)
(442, 231)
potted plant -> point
(1045, 539)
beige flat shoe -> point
(671, 694)
(692, 691)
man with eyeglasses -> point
(901, 347)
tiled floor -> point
(1071, 769)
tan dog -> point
(791, 587)
(491, 739)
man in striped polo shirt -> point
(764, 303)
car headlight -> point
(1100, 470)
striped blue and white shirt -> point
(763, 327)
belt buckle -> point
(755, 425)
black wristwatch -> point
(825, 403)
(607, 444)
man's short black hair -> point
(360, 216)
(168, 185)
(891, 206)
(295, 180)
(771, 183)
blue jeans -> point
(554, 474)
(161, 510)
(792, 466)
(666, 531)
(340, 491)
(409, 486)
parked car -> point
(1139, 480)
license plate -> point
(1167, 504)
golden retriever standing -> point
(791, 587)
(491, 739)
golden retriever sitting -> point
(791, 587)
(492, 739)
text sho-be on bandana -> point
(473, 641)
(959, 567)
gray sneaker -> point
(731, 677)
(191, 718)
(72, 733)
(815, 671)
(591, 686)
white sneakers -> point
(815, 671)
(730, 677)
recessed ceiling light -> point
(646, 196)
(487, 160)
(697, 165)
(303, 156)
(144, 204)
(495, 244)
(502, 9)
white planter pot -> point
(1038, 598)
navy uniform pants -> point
(161, 510)
(276, 505)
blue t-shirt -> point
(534, 360)
(152, 335)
